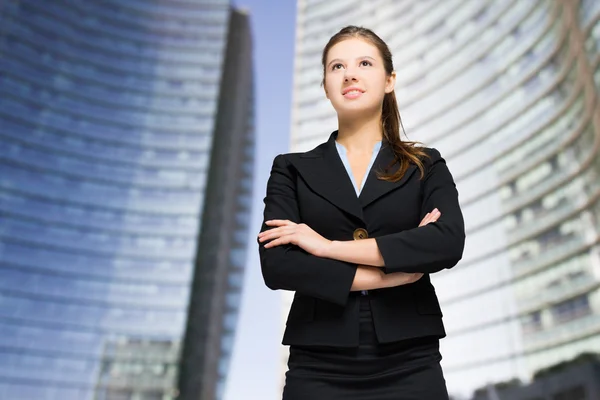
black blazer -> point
(314, 188)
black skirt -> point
(404, 370)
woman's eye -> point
(365, 63)
(336, 66)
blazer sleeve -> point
(437, 245)
(289, 267)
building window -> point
(532, 322)
(156, 395)
(118, 394)
(571, 309)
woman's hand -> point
(431, 217)
(288, 232)
(369, 278)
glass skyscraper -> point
(126, 163)
(508, 92)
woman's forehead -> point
(352, 48)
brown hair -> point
(406, 152)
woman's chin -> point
(353, 110)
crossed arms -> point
(295, 257)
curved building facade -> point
(508, 92)
(109, 116)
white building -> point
(505, 90)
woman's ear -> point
(390, 83)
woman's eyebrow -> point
(339, 59)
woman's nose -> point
(349, 74)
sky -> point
(256, 365)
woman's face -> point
(355, 78)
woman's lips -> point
(353, 94)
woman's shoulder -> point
(431, 154)
(287, 157)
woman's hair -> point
(405, 152)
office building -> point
(508, 92)
(126, 154)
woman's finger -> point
(428, 218)
(279, 222)
(276, 232)
(268, 233)
(431, 217)
(279, 241)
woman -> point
(355, 227)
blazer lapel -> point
(323, 171)
(374, 187)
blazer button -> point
(360, 233)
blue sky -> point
(255, 369)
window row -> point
(63, 19)
(96, 218)
(83, 134)
(104, 243)
(41, 103)
(49, 67)
(98, 98)
(123, 320)
(160, 200)
(143, 147)
(28, 46)
(94, 169)
(115, 267)
(80, 290)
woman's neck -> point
(359, 136)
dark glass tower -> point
(126, 154)
(222, 247)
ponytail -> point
(406, 152)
